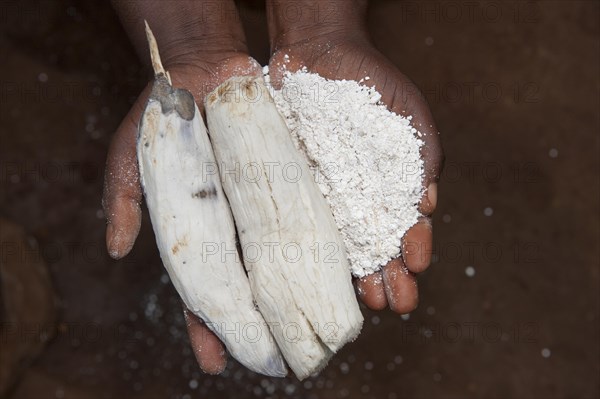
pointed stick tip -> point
(154, 53)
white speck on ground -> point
(446, 218)
(365, 159)
(429, 41)
(470, 271)
(344, 368)
(165, 279)
(546, 353)
(553, 153)
(488, 211)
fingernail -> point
(111, 246)
(432, 196)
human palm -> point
(357, 59)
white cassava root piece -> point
(293, 251)
(190, 216)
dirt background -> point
(514, 87)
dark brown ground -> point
(508, 83)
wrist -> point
(294, 22)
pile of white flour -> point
(365, 160)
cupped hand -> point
(122, 191)
(353, 57)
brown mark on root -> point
(180, 244)
(251, 88)
(230, 90)
(205, 193)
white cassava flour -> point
(365, 160)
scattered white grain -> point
(488, 211)
(553, 153)
(43, 77)
(375, 320)
(446, 218)
(429, 41)
(405, 316)
(430, 310)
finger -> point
(122, 192)
(431, 150)
(208, 349)
(400, 287)
(279, 64)
(417, 246)
(371, 291)
(405, 98)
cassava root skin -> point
(305, 280)
(190, 215)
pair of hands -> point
(199, 61)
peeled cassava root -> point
(293, 252)
(190, 215)
(297, 299)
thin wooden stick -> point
(155, 55)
